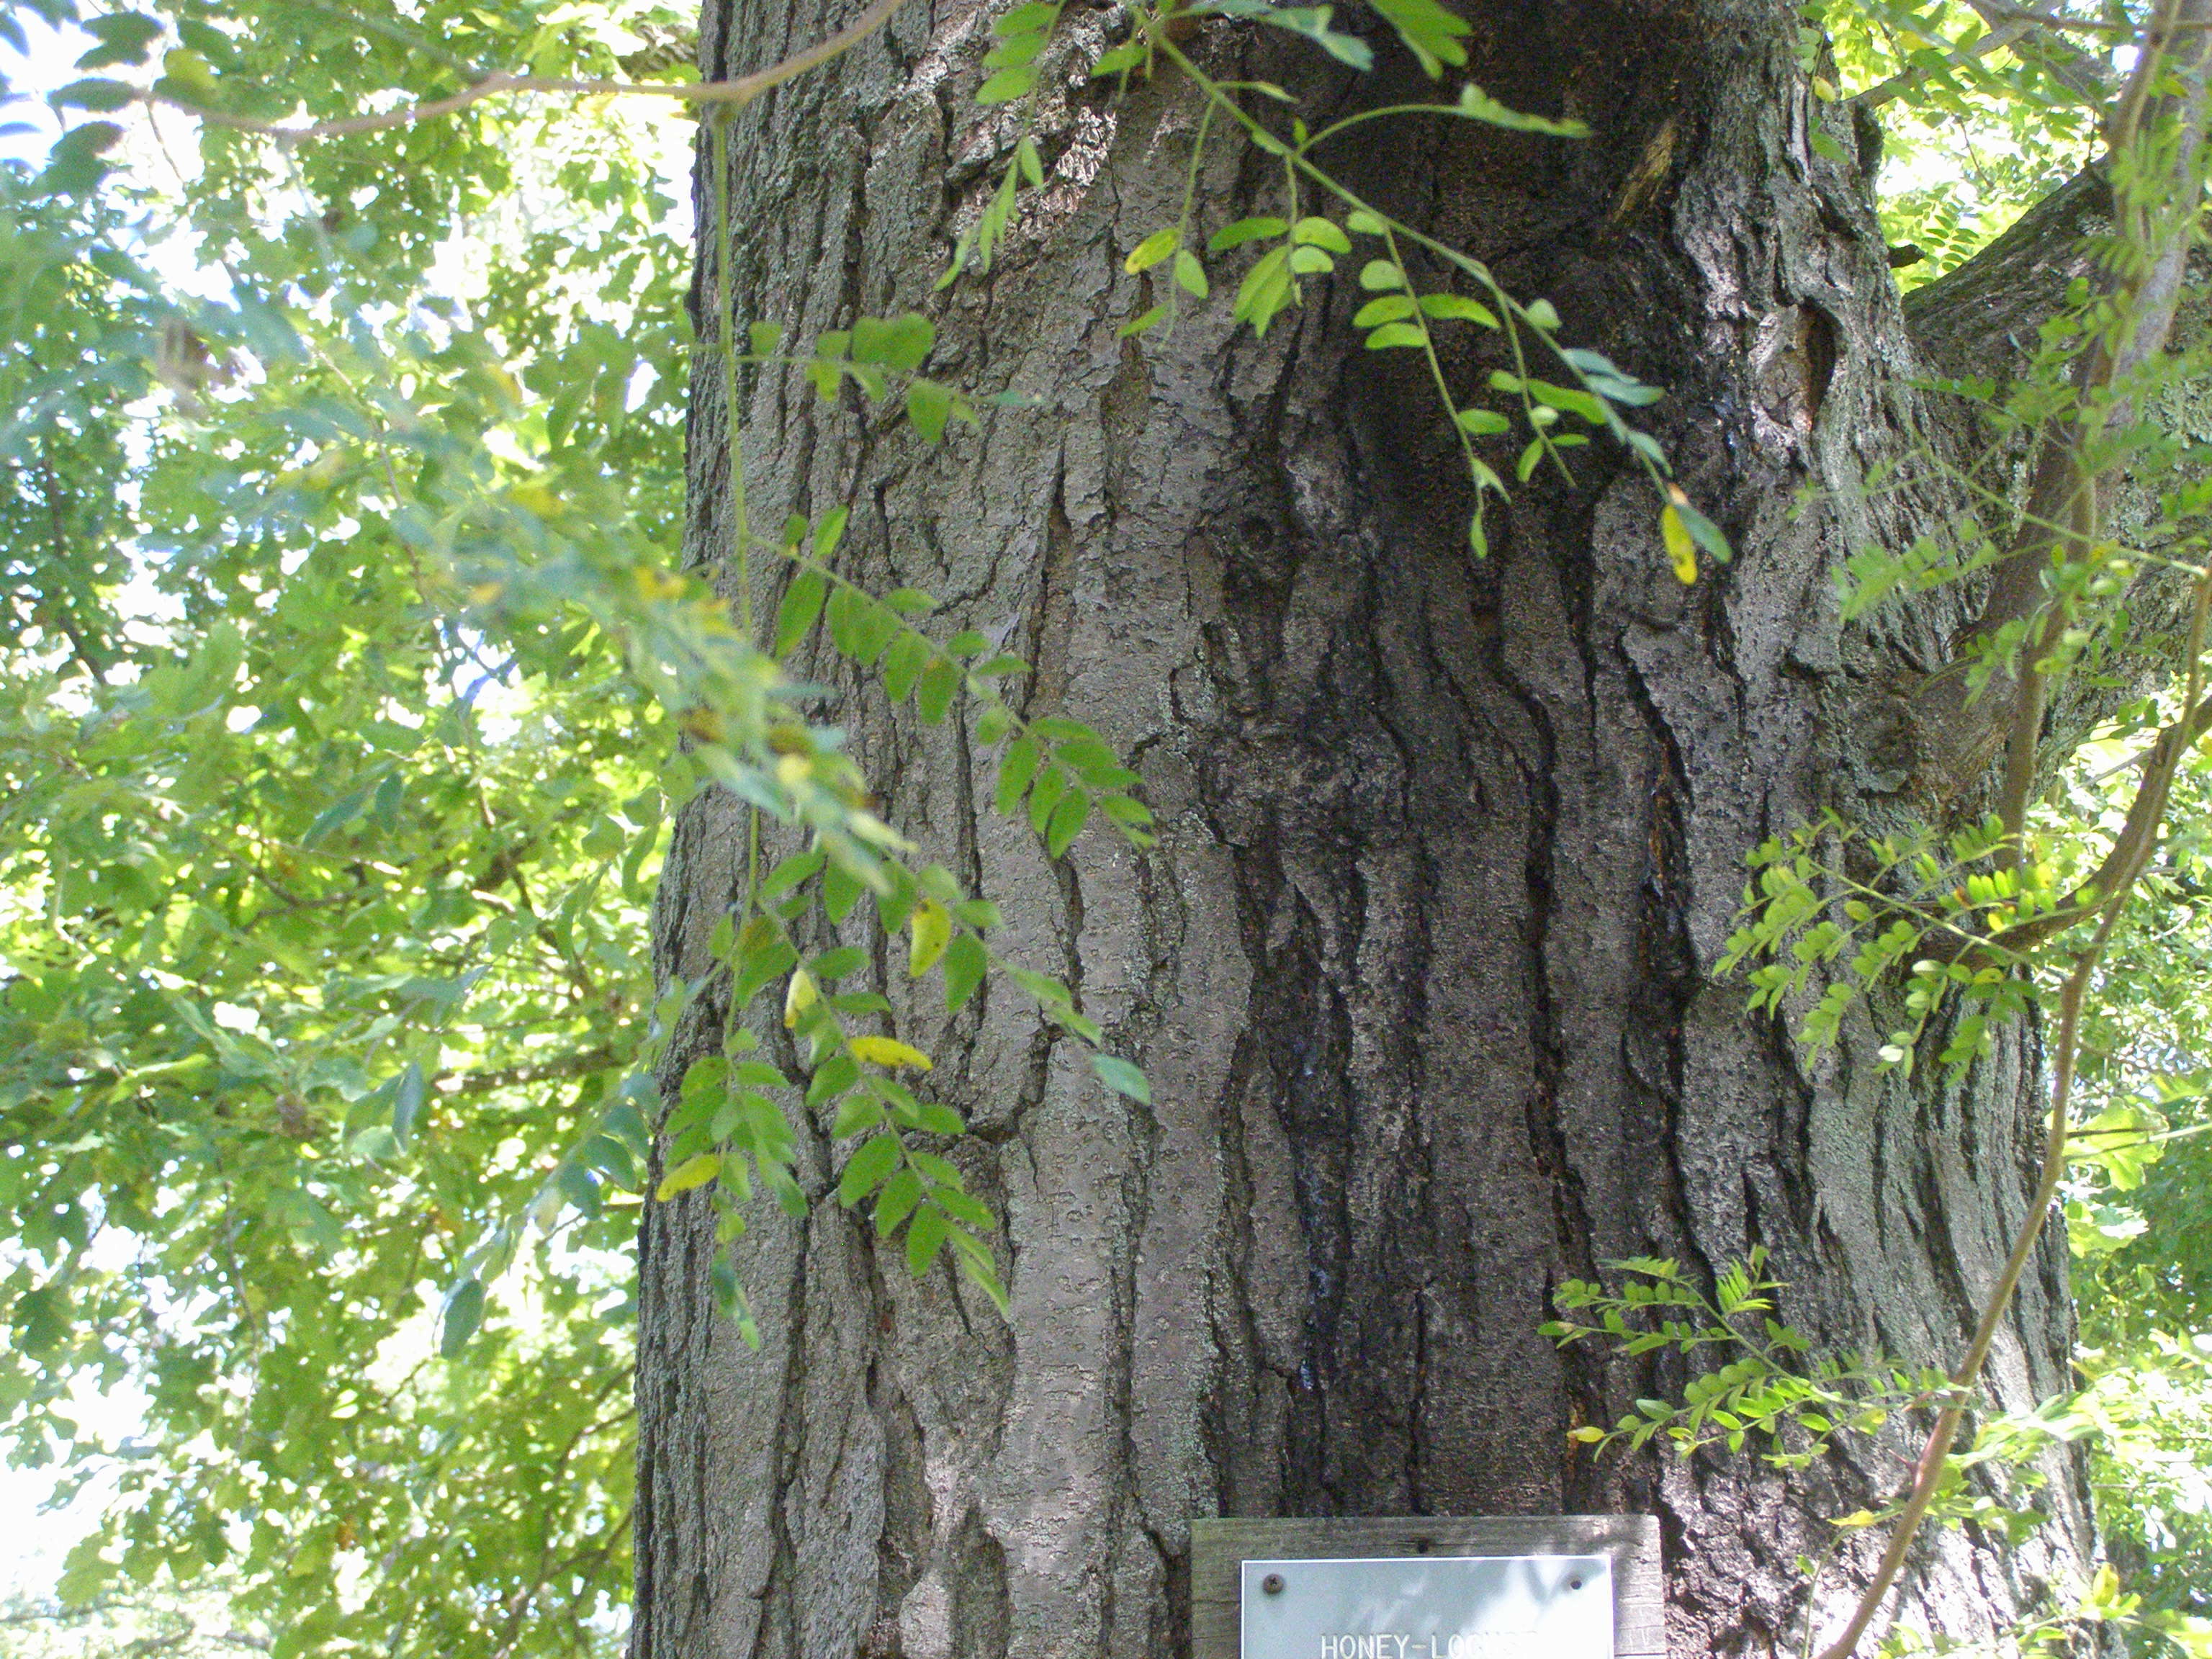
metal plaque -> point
(1435, 1606)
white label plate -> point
(1431, 1606)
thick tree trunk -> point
(1421, 968)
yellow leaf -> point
(931, 926)
(1859, 1518)
(1588, 1434)
(1680, 547)
(888, 1051)
(536, 499)
(190, 69)
(1153, 249)
(692, 1172)
(800, 996)
(870, 827)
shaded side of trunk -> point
(1420, 970)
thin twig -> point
(454, 1085)
(2137, 830)
(730, 94)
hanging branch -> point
(727, 95)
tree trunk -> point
(1421, 968)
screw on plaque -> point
(1272, 1584)
(1574, 1584)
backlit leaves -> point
(1022, 35)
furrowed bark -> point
(1420, 970)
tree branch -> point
(2026, 31)
(729, 94)
(2060, 58)
(454, 1085)
(1993, 9)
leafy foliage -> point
(1770, 1388)
(324, 909)
(1763, 1391)
(1829, 907)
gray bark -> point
(1421, 970)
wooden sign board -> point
(1428, 1587)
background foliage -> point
(323, 912)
